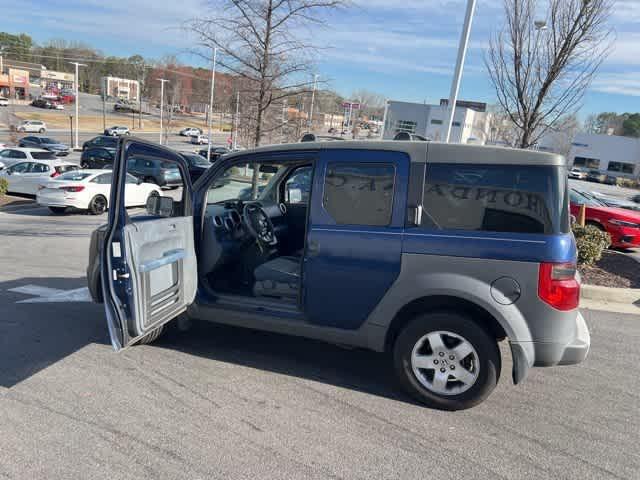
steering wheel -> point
(259, 224)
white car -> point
(199, 139)
(32, 126)
(190, 132)
(9, 156)
(25, 177)
(4, 102)
(90, 190)
(577, 174)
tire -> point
(480, 367)
(98, 205)
(41, 130)
(151, 336)
(152, 193)
(58, 210)
(84, 165)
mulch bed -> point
(614, 269)
(10, 200)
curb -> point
(621, 300)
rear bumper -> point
(549, 354)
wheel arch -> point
(449, 303)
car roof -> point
(27, 149)
(421, 152)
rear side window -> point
(39, 168)
(43, 155)
(359, 194)
(495, 198)
(66, 168)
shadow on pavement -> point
(34, 336)
(355, 369)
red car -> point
(623, 225)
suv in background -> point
(153, 170)
(32, 126)
(97, 158)
(116, 131)
(432, 252)
(102, 141)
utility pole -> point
(77, 146)
(236, 120)
(384, 118)
(285, 118)
(313, 97)
(213, 86)
(104, 108)
(140, 82)
(462, 52)
(162, 82)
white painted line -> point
(36, 290)
(77, 295)
(52, 295)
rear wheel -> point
(41, 130)
(98, 205)
(152, 194)
(58, 210)
(447, 361)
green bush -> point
(591, 242)
(4, 185)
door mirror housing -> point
(160, 206)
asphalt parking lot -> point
(221, 402)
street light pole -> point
(213, 86)
(384, 118)
(162, 82)
(77, 146)
(313, 97)
(462, 52)
(236, 120)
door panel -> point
(149, 271)
(349, 267)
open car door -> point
(149, 269)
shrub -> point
(591, 242)
(4, 185)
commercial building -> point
(610, 154)
(14, 83)
(122, 88)
(470, 121)
(56, 83)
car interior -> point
(254, 231)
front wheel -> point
(41, 130)
(151, 336)
(447, 361)
(84, 165)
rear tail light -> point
(557, 285)
(55, 174)
(72, 189)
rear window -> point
(74, 176)
(496, 198)
(66, 168)
(43, 155)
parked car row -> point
(44, 103)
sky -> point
(401, 50)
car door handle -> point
(313, 248)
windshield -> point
(583, 198)
(75, 176)
(199, 160)
(240, 183)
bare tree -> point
(541, 71)
(260, 42)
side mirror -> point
(9, 172)
(160, 206)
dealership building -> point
(470, 121)
(611, 154)
(122, 88)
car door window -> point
(20, 167)
(359, 194)
(38, 168)
(103, 179)
(18, 154)
(298, 186)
